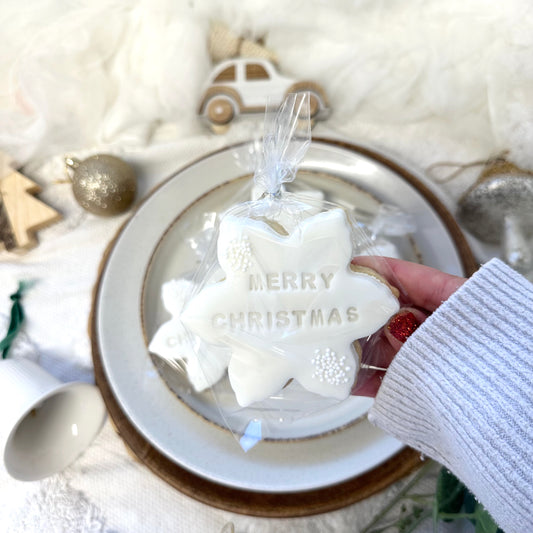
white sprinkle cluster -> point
(239, 254)
(329, 368)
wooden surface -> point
(280, 505)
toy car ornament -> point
(241, 86)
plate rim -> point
(260, 503)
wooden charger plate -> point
(248, 499)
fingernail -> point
(403, 325)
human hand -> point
(422, 290)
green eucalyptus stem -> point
(17, 318)
(417, 521)
(435, 516)
(382, 529)
(420, 498)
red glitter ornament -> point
(403, 325)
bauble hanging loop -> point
(103, 184)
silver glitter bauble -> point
(103, 184)
(502, 190)
(517, 251)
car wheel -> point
(315, 102)
(318, 105)
(315, 105)
(220, 110)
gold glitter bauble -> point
(103, 184)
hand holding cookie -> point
(422, 290)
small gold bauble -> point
(103, 184)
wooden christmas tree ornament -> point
(21, 214)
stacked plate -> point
(319, 463)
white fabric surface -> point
(425, 80)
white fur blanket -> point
(428, 78)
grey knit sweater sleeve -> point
(460, 390)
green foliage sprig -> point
(451, 501)
(17, 317)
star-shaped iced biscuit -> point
(290, 306)
(172, 342)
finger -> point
(377, 354)
(381, 351)
(368, 383)
(423, 286)
(402, 325)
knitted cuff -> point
(460, 390)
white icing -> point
(329, 367)
(295, 310)
(239, 254)
(173, 343)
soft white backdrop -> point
(427, 81)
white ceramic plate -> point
(152, 248)
(174, 257)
